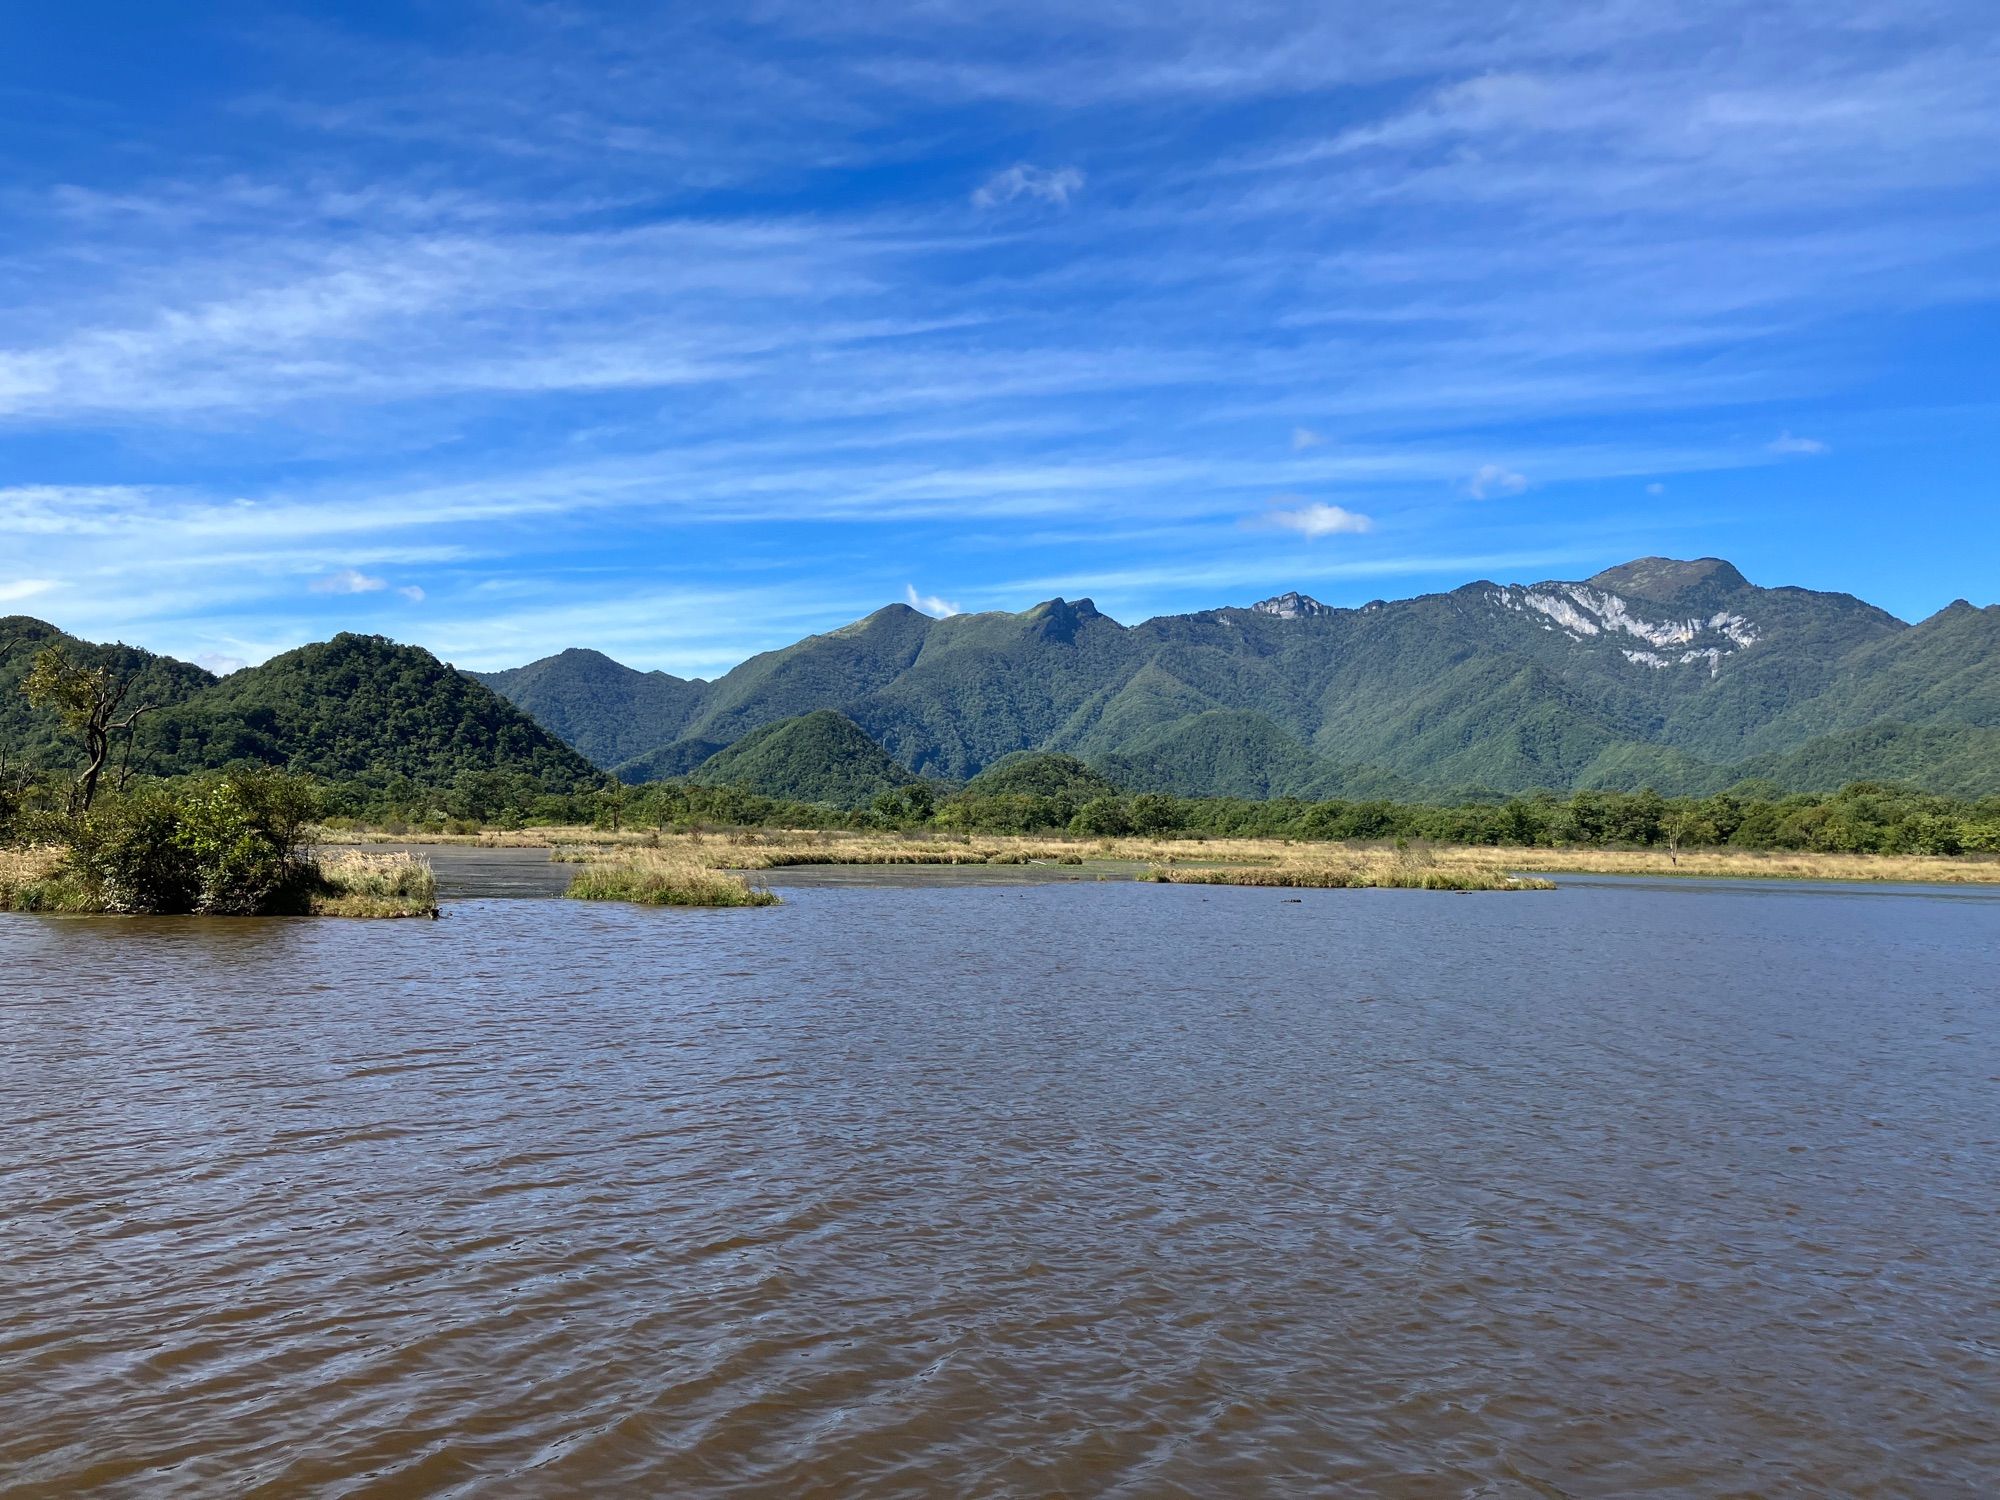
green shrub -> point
(220, 846)
(1102, 817)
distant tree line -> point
(1865, 818)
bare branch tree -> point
(1673, 828)
(86, 700)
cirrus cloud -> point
(1026, 180)
(1491, 480)
(1318, 519)
(348, 581)
(24, 588)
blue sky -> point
(683, 331)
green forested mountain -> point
(817, 757)
(1680, 675)
(360, 706)
(356, 708)
(677, 758)
(1946, 758)
(607, 712)
(1220, 753)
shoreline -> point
(755, 851)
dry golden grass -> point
(1290, 862)
(1750, 864)
(1215, 862)
(19, 867)
(354, 883)
(29, 880)
(1355, 872)
(496, 838)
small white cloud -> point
(24, 588)
(1025, 180)
(1784, 442)
(1304, 438)
(220, 665)
(1656, 488)
(930, 604)
(1489, 480)
(412, 593)
(348, 581)
(1319, 519)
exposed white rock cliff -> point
(1581, 612)
(1292, 606)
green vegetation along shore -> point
(1037, 795)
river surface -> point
(1010, 1190)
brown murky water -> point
(1031, 1190)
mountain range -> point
(1679, 675)
(1682, 675)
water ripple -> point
(1103, 1190)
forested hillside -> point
(607, 712)
(356, 709)
(818, 757)
(1683, 676)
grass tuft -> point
(653, 877)
(357, 884)
(34, 880)
(1354, 875)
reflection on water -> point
(482, 870)
(1029, 1190)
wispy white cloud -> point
(348, 581)
(1787, 444)
(1054, 185)
(1603, 240)
(930, 604)
(15, 590)
(1491, 480)
(1318, 519)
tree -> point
(86, 701)
(1103, 817)
(1154, 813)
(1674, 828)
(608, 803)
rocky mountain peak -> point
(1291, 606)
(1668, 577)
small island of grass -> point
(1357, 874)
(692, 869)
(663, 877)
(229, 845)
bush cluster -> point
(214, 845)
